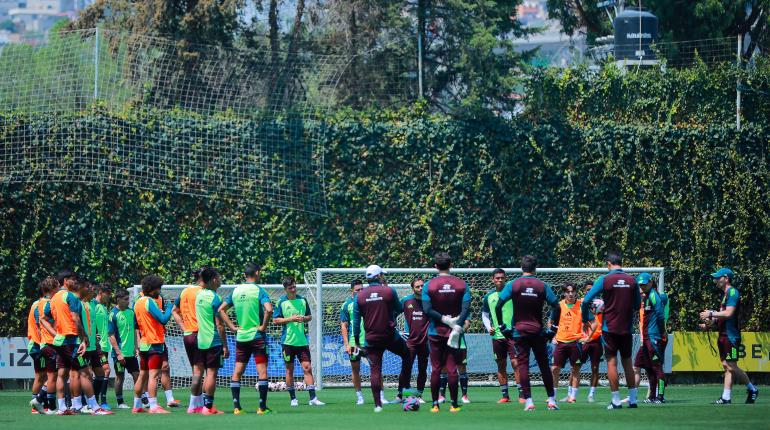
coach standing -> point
(621, 300)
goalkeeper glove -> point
(454, 337)
(449, 320)
(505, 331)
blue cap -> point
(724, 271)
(643, 278)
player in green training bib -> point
(253, 310)
(501, 347)
(121, 327)
(100, 313)
(212, 343)
(355, 354)
(292, 312)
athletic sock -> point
(616, 397)
(749, 387)
(169, 395)
(552, 400)
(632, 395)
(727, 394)
(574, 392)
(235, 389)
(504, 390)
(199, 401)
(137, 402)
(62, 404)
(193, 405)
(592, 391)
(120, 399)
(262, 384)
(153, 402)
(77, 403)
(311, 390)
(442, 385)
(50, 401)
(92, 403)
(105, 386)
(208, 401)
(661, 388)
(464, 383)
(528, 402)
(41, 395)
(145, 399)
(292, 393)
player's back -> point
(187, 308)
(375, 305)
(528, 294)
(619, 290)
(446, 294)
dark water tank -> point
(628, 35)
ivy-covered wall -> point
(404, 184)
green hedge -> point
(403, 184)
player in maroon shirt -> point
(416, 325)
(446, 300)
(378, 306)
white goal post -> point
(327, 288)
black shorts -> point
(94, 358)
(614, 343)
(302, 353)
(49, 355)
(565, 351)
(592, 351)
(212, 358)
(191, 348)
(131, 365)
(256, 347)
(67, 357)
(728, 350)
(38, 362)
(503, 347)
(164, 354)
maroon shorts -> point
(649, 354)
(566, 351)
(418, 350)
(614, 343)
(191, 348)
(728, 351)
(592, 351)
(255, 347)
(131, 365)
(151, 359)
(301, 352)
(441, 353)
(67, 357)
(49, 355)
(212, 357)
(503, 347)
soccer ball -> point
(597, 306)
(411, 404)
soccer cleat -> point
(661, 399)
(529, 408)
(647, 400)
(721, 401)
(422, 402)
(174, 404)
(237, 411)
(612, 406)
(625, 400)
(138, 410)
(50, 412)
(106, 407)
(37, 407)
(195, 410)
(751, 395)
(455, 410)
(571, 400)
(522, 401)
(35, 412)
(632, 405)
(65, 412)
(158, 410)
(377, 409)
(434, 409)
(100, 411)
(213, 411)
(564, 399)
(265, 411)
(465, 399)
(123, 406)
(591, 399)
(504, 400)
(441, 399)
(315, 402)
(552, 406)
(360, 401)
(294, 403)
(85, 410)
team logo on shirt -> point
(374, 297)
(529, 291)
(446, 288)
(621, 284)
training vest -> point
(570, 322)
(62, 318)
(151, 330)
(187, 308)
(33, 330)
(45, 336)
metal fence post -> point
(319, 328)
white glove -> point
(454, 337)
(450, 320)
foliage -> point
(403, 184)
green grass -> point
(688, 407)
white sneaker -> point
(294, 403)
(377, 409)
(359, 401)
(591, 399)
(384, 401)
(85, 410)
(123, 406)
(316, 402)
(466, 400)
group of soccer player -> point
(72, 330)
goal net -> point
(327, 289)
(333, 287)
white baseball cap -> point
(374, 271)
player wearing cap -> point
(377, 306)
(354, 354)
(416, 330)
(528, 294)
(212, 343)
(501, 347)
(186, 319)
(729, 341)
(621, 300)
(122, 335)
(566, 319)
(446, 301)
(41, 350)
(652, 330)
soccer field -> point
(688, 407)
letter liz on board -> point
(692, 352)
